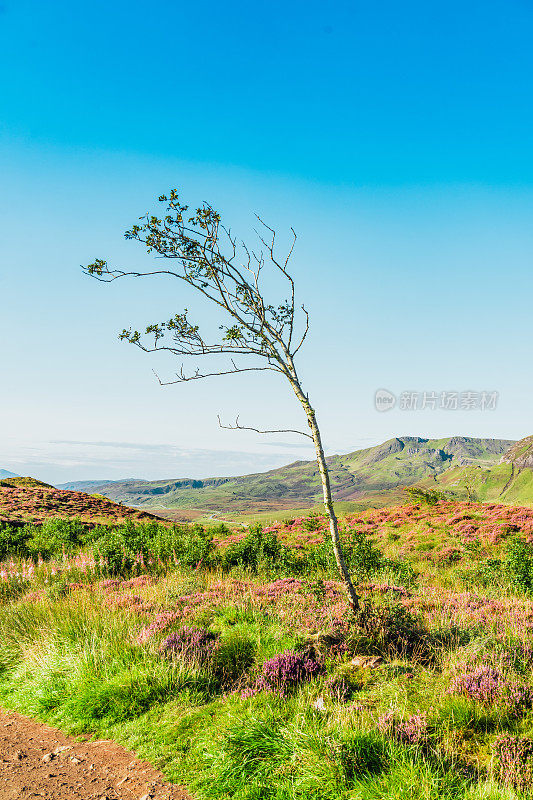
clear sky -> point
(395, 137)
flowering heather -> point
(340, 688)
(287, 670)
(514, 761)
(109, 583)
(139, 580)
(488, 686)
(385, 588)
(491, 523)
(191, 644)
(473, 611)
(34, 597)
(127, 601)
(160, 623)
(413, 730)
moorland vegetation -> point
(231, 658)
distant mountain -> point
(376, 473)
(86, 486)
(5, 473)
(508, 481)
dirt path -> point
(37, 761)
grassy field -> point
(229, 657)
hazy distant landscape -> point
(371, 477)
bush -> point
(286, 670)
(12, 541)
(193, 645)
(259, 548)
(426, 497)
(112, 555)
(52, 538)
(365, 560)
(312, 522)
(519, 564)
(514, 762)
(392, 631)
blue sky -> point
(396, 139)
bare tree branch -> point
(239, 427)
(183, 378)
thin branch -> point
(238, 427)
(182, 377)
(302, 340)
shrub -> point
(519, 563)
(312, 522)
(391, 630)
(12, 541)
(257, 548)
(513, 762)
(188, 546)
(286, 670)
(488, 686)
(365, 560)
(112, 554)
(194, 645)
(426, 497)
(53, 537)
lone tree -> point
(228, 274)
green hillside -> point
(509, 481)
(376, 475)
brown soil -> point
(37, 761)
(19, 504)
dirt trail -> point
(37, 761)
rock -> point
(366, 662)
(319, 704)
(76, 759)
(62, 749)
(47, 758)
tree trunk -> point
(353, 599)
(344, 573)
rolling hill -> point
(373, 476)
(25, 500)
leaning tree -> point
(229, 274)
